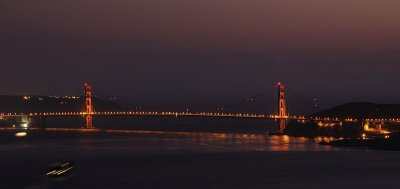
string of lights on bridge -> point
(282, 117)
(191, 114)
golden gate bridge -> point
(282, 117)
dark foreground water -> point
(134, 158)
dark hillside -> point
(362, 110)
(27, 104)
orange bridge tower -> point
(282, 107)
(88, 106)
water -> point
(191, 124)
(193, 153)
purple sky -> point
(178, 53)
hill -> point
(27, 104)
(357, 110)
(362, 110)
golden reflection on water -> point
(325, 139)
(258, 142)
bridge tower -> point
(281, 100)
(88, 106)
(282, 107)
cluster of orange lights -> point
(383, 120)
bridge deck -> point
(200, 114)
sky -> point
(202, 53)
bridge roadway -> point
(200, 114)
(142, 113)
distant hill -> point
(357, 110)
(27, 104)
(362, 110)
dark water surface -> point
(193, 153)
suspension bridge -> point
(282, 117)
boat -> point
(60, 169)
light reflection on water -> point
(165, 140)
(190, 140)
(193, 133)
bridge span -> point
(154, 113)
(199, 114)
(282, 117)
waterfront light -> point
(21, 134)
(25, 125)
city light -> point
(24, 125)
(21, 134)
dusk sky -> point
(182, 52)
